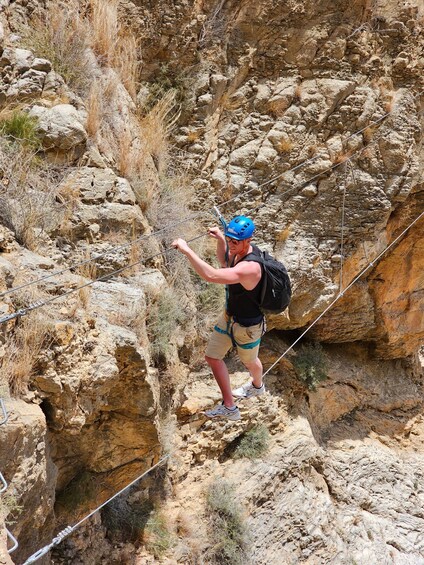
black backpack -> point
(276, 288)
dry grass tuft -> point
(284, 234)
(115, 45)
(193, 135)
(28, 190)
(135, 253)
(127, 61)
(94, 106)
(278, 106)
(61, 35)
(87, 272)
(64, 34)
(298, 92)
(389, 103)
(312, 151)
(341, 157)
(23, 350)
(284, 145)
(156, 127)
(105, 28)
(368, 133)
(125, 155)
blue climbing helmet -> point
(240, 228)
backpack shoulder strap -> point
(256, 255)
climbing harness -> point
(247, 323)
(23, 311)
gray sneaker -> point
(221, 411)
(248, 390)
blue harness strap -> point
(229, 331)
(248, 345)
(221, 331)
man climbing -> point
(242, 323)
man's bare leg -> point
(256, 370)
(220, 372)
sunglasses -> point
(231, 240)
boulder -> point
(29, 85)
(99, 185)
(30, 473)
(23, 60)
(61, 128)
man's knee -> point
(255, 363)
(212, 360)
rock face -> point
(27, 466)
(342, 479)
(306, 116)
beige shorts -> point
(247, 340)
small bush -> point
(17, 125)
(165, 80)
(163, 317)
(62, 36)
(28, 191)
(227, 529)
(9, 507)
(157, 537)
(23, 350)
(253, 444)
(210, 298)
(310, 364)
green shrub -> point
(227, 528)
(310, 364)
(19, 126)
(210, 298)
(254, 443)
(28, 203)
(9, 507)
(157, 537)
(166, 79)
(164, 315)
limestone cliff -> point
(304, 115)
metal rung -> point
(2, 480)
(13, 540)
(5, 414)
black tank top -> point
(243, 303)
